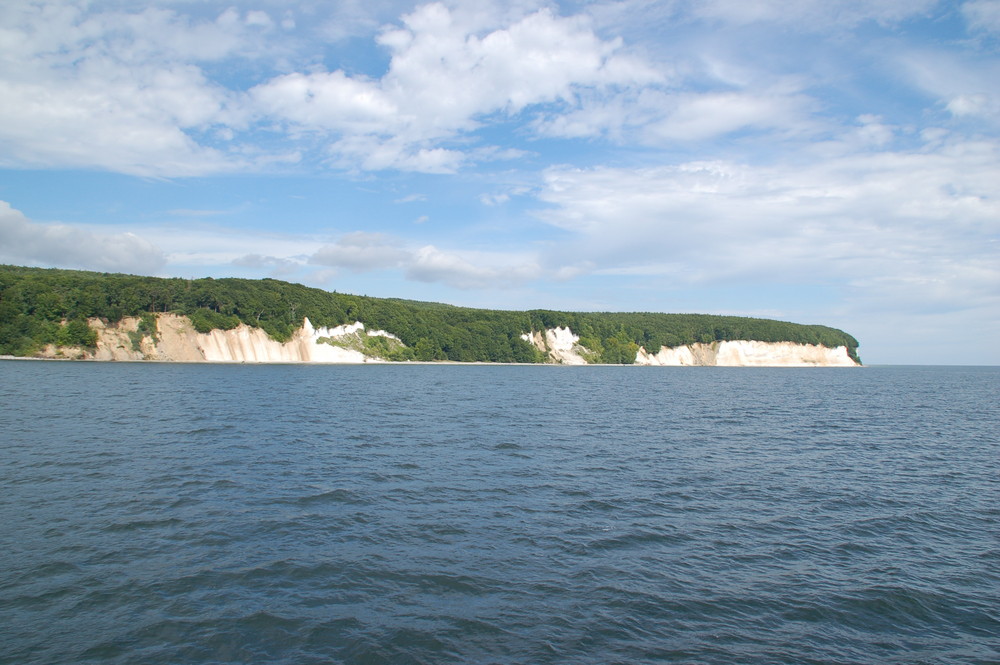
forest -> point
(41, 306)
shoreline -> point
(397, 363)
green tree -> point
(76, 333)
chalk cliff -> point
(176, 340)
(560, 345)
(744, 353)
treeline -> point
(48, 306)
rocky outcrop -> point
(744, 353)
(559, 345)
(176, 340)
(562, 347)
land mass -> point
(50, 313)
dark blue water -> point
(477, 514)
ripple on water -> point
(499, 515)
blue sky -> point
(819, 161)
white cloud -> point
(276, 265)
(705, 91)
(494, 199)
(975, 104)
(810, 14)
(114, 90)
(922, 222)
(470, 270)
(25, 242)
(181, 249)
(150, 91)
(340, 21)
(871, 132)
(373, 154)
(361, 251)
(327, 101)
(199, 247)
(697, 117)
(965, 85)
(446, 75)
(801, 16)
(449, 74)
(983, 15)
(259, 19)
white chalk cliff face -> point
(563, 347)
(560, 344)
(177, 340)
(744, 353)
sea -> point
(307, 514)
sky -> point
(815, 161)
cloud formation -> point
(921, 222)
(24, 242)
(363, 252)
(814, 15)
(446, 75)
(134, 91)
(471, 270)
(143, 90)
(983, 15)
(115, 90)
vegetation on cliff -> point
(48, 306)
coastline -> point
(437, 363)
(173, 339)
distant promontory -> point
(50, 313)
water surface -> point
(155, 513)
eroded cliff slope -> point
(175, 340)
(745, 353)
(561, 346)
